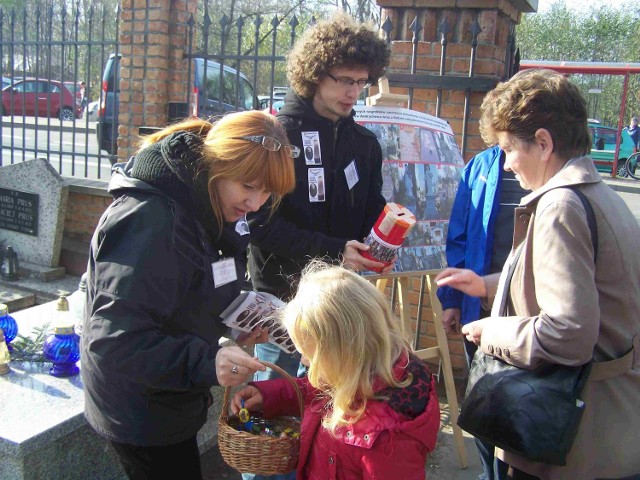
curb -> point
(623, 185)
(80, 129)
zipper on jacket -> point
(336, 126)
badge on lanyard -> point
(351, 174)
(242, 227)
(224, 271)
(316, 184)
(311, 148)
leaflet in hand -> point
(258, 309)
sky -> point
(582, 5)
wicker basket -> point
(259, 454)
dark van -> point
(237, 94)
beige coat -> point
(566, 310)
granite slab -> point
(43, 432)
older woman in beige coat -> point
(563, 307)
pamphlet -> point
(258, 309)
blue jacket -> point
(471, 225)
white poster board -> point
(421, 169)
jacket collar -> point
(298, 107)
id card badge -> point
(224, 271)
(351, 174)
(311, 148)
(316, 184)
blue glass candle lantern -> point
(8, 325)
(62, 347)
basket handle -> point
(224, 414)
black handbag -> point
(532, 413)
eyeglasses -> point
(347, 82)
(272, 144)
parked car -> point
(92, 111)
(263, 101)
(40, 98)
(280, 92)
(603, 148)
(237, 94)
(275, 108)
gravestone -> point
(33, 204)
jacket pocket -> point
(187, 404)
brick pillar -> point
(153, 41)
(497, 19)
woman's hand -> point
(473, 330)
(467, 281)
(252, 397)
(234, 366)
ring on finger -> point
(234, 369)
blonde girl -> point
(370, 405)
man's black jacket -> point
(300, 229)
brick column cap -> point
(523, 6)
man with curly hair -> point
(338, 193)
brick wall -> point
(153, 41)
(87, 202)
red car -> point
(40, 98)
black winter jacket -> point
(151, 332)
(300, 229)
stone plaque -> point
(19, 211)
(42, 247)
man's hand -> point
(451, 320)
(354, 260)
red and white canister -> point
(387, 235)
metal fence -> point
(72, 46)
(45, 57)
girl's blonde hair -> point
(345, 327)
(226, 156)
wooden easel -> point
(441, 351)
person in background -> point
(564, 305)
(479, 238)
(634, 132)
(371, 409)
(83, 96)
(167, 257)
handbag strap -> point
(503, 288)
(591, 219)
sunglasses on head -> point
(272, 144)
